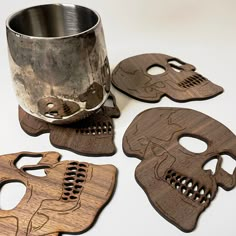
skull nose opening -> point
(33, 161)
(155, 70)
(175, 65)
(211, 165)
(192, 144)
(9, 197)
(228, 163)
(37, 171)
(28, 160)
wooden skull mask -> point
(179, 81)
(67, 199)
(173, 177)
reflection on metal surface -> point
(58, 51)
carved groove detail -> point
(100, 128)
(192, 81)
(188, 187)
(74, 179)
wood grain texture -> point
(174, 178)
(93, 136)
(179, 82)
(68, 199)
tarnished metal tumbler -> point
(58, 61)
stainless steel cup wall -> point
(58, 61)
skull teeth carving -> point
(192, 81)
(74, 180)
(105, 128)
(188, 187)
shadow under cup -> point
(58, 61)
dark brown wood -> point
(174, 178)
(179, 82)
(67, 199)
(93, 136)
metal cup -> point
(58, 61)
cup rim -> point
(18, 34)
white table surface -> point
(200, 32)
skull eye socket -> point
(192, 144)
(155, 70)
(9, 198)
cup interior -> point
(53, 20)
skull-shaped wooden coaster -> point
(174, 178)
(179, 81)
(67, 199)
(91, 136)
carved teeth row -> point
(188, 187)
(74, 179)
(97, 129)
(192, 81)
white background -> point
(200, 32)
